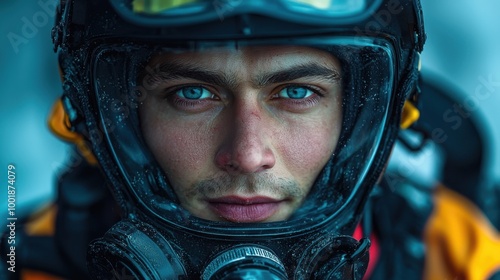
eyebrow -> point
(167, 71)
(311, 70)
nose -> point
(246, 148)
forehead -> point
(272, 58)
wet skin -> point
(243, 133)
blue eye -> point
(194, 92)
(295, 92)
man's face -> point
(243, 133)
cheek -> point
(306, 147)
(180, 149)
(307, 150)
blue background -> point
(463, 48)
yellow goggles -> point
(155, 7)
(187, 12)
(160, 6)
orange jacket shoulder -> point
(461, 242)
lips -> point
(244, 210)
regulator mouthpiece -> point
(245, 262)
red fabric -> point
(374, 250)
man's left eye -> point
(193, 93)
(295, 92)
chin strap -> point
(350, 261)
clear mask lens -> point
(326, 88)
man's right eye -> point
(296, 92)
(194, 93)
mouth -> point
(245, 209)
